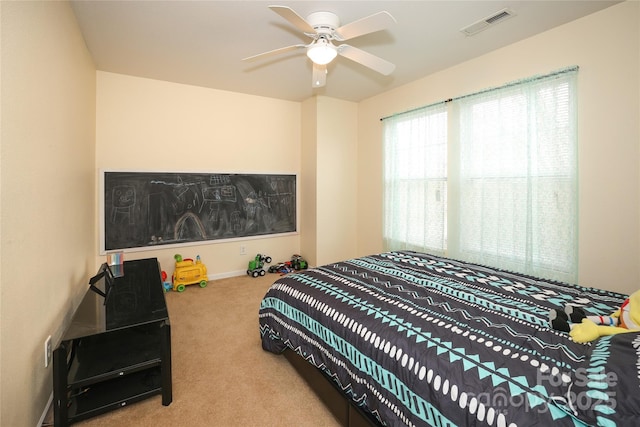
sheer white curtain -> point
(415, 180)
(489, 178)
(518, 184)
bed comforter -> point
(418, 340)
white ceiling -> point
(202, 43)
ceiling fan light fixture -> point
(322, 52)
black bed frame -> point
(342, 408)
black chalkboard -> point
(148, 209)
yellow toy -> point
(188, 273)
(583, 328)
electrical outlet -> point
(243, 250)
(48, 351)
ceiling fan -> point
(324, 28)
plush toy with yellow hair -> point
(583, 328)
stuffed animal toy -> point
(583, 328)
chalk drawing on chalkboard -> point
(146, 209)
(183, 231)
(123, 201)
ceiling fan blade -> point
(369, 24)
(366, 59)
(319, 77)
(274, 52)
(295, 19)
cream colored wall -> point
(336, 175)
(47, 178)
(606, 47)
(329, 147)
(309, 179)
(145, 124)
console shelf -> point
(114, 393)
(117, 349)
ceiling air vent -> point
(488, 21)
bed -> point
(410, 339)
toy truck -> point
(188, 273)
(256, 265)
(298, 263)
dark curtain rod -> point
(517, 82)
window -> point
(416, 181)
(490, 178)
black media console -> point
(117, 349)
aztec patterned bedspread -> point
(419, 340)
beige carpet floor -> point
(221, 375)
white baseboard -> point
(46, 411)
(227, 274)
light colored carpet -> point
(221, 375)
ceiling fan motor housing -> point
(324, 22)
